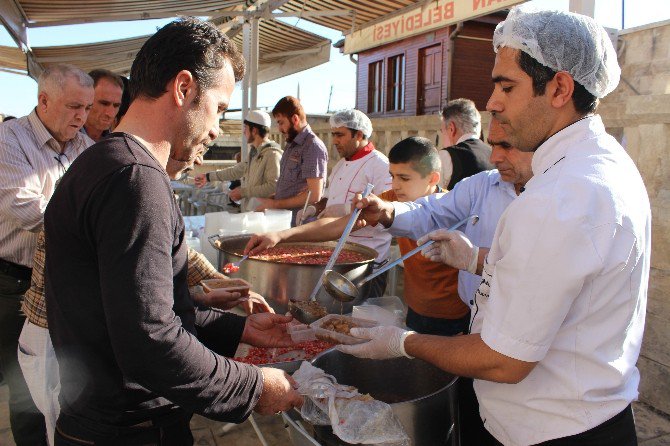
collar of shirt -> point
(466, 137)
(42, 134)
(300, 137)
(362, 152)
(44, 137)
(504, 185)
(559, 144)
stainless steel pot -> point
(422, 396)
(279, 282)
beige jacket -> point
(259, 175)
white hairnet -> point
(352, 119)
(563, 41)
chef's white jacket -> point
(349, 178)
(565, 285)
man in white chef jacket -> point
(558, 319)
(359, 164)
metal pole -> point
(246, 52)
(253, 65)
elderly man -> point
(260, 173)
(464, 154)
(35, 151)
(304, 162)
(106, 103)
(136, 356)
(359, 164)
(559, 315)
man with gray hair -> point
(464, 154)
(359, 164)
(35, 151)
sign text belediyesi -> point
(430, 16)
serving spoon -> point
(342, 289)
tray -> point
(230, 285)
(337, 337)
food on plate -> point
(310, 307)
(340, 325)
(337, 328)
(302, 351)
(307, 255)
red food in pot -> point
(308, 255)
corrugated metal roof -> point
(12, 58)
(364, 12)
(118, 55)
(41, 12)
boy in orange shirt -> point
(431, 289)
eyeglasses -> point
(63, 166)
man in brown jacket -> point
(260, 173)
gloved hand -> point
(452, 248)
(310, 211)
(336, 211)
(386, 342)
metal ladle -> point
(340, 245)
(341, 288)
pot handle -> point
(211, 240)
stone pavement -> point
(653, 428)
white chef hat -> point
(563, 41)
(352, 119)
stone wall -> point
(638, 113)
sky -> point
(19, 93)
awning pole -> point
(253, 65)
(246, 52)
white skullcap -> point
(563, 41)
(352, 119)
(259, 117)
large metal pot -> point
(279, 282)
(422, 396)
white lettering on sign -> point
(432, 15)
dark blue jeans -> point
(436, 326)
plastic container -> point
(301, 332)
(336, 337)
(386, 310)
(277, 219)
(378, 314)
(229, 285)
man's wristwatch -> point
(207, 177)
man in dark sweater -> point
(464, 154)
(137, 357)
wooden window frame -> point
(394, 88)
(376, 107)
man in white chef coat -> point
(558, 319)
(359, 164)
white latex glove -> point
(310, 211)
(452, 248)
(386, 342)
(336, 211)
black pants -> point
(437, 326)
(172, 430)
(377, 286)
(26, 421)
(617, 431)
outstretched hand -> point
(267, 330)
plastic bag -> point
(355, 418)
